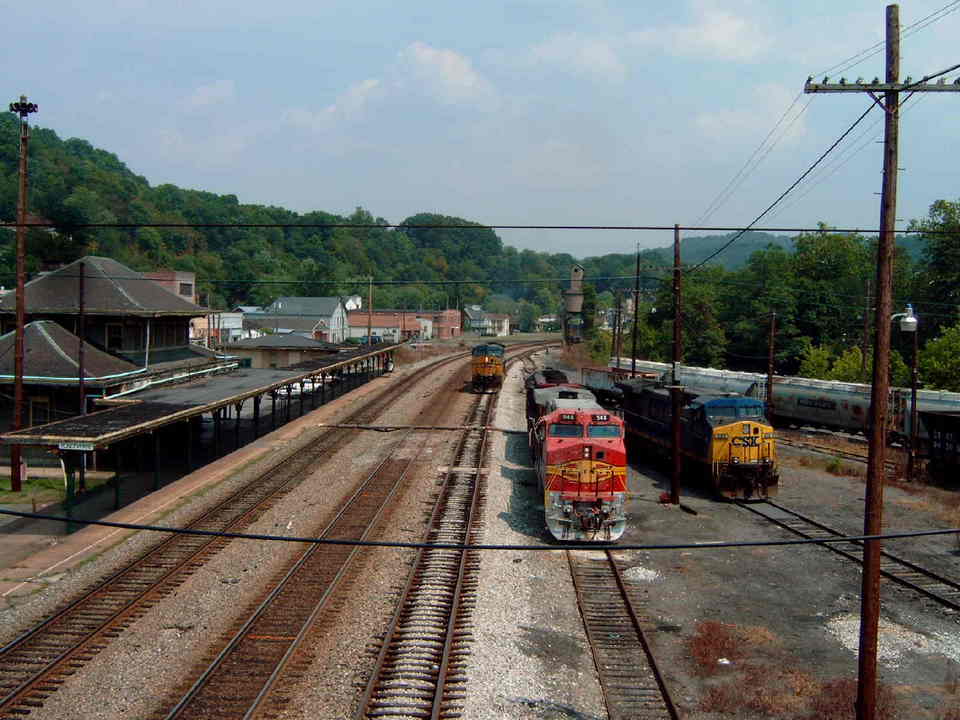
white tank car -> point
(799, 400)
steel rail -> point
(904, 572)
(183, 707)
(421, 687)
(192, 704)
(631, 682)
(32, 665)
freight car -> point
(725, 438)
(944, 445)
(580, 461)
(487, 367)
(808, 401)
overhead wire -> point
(756, 158)
(786, 192)
(810, 169)
(846, 155)
(553, 547)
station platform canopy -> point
(153, 408)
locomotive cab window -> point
(603, 431)
(569, 431)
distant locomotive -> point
(725, 438)
(487, 367)
(580, 460)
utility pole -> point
(865, 343)
(636, 316)
(618, 328)
(23, 109)
(81, 381)
(676, 391)
(873, 512)
(773, 332)
(370, 310)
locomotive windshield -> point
(735, 411)
(603, 431)
(569, 431)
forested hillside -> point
(73, 183)
(816, 282)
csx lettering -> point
(751, 441)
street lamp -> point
(908, 324)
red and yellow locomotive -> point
(580, 460)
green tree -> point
(815, 362)
(940, 361)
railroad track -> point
(891, 466)
(629, 678)
(244, 678)
(36, 663)
(940, 589)
(420, 665)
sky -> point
(528, 112)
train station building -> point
(156, 403)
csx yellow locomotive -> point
(487, 367)
(725, 438)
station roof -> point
(162, 405)
(284, 341)
(110, 288)
(50, 357)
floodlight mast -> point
(23, 109)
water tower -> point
(573, 307)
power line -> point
(456, 546)
(879, 47)
(732, 185)
(785, 192)
(746, 170)
(314, 226)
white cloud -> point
(444, 74)
(557, 164)
(440, 75)
(224, 147)
(715, 33)
(346, 105)
(754, 118)
(214, 93)
(588, 55)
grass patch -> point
(765, 691)
(837, 699)
(837, 467)
(715, 640)
(42, 490)
(781, 693)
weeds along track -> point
(940, 589)
(35, 664)
(420, 668)
(629, 678)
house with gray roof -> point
(321, 318)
